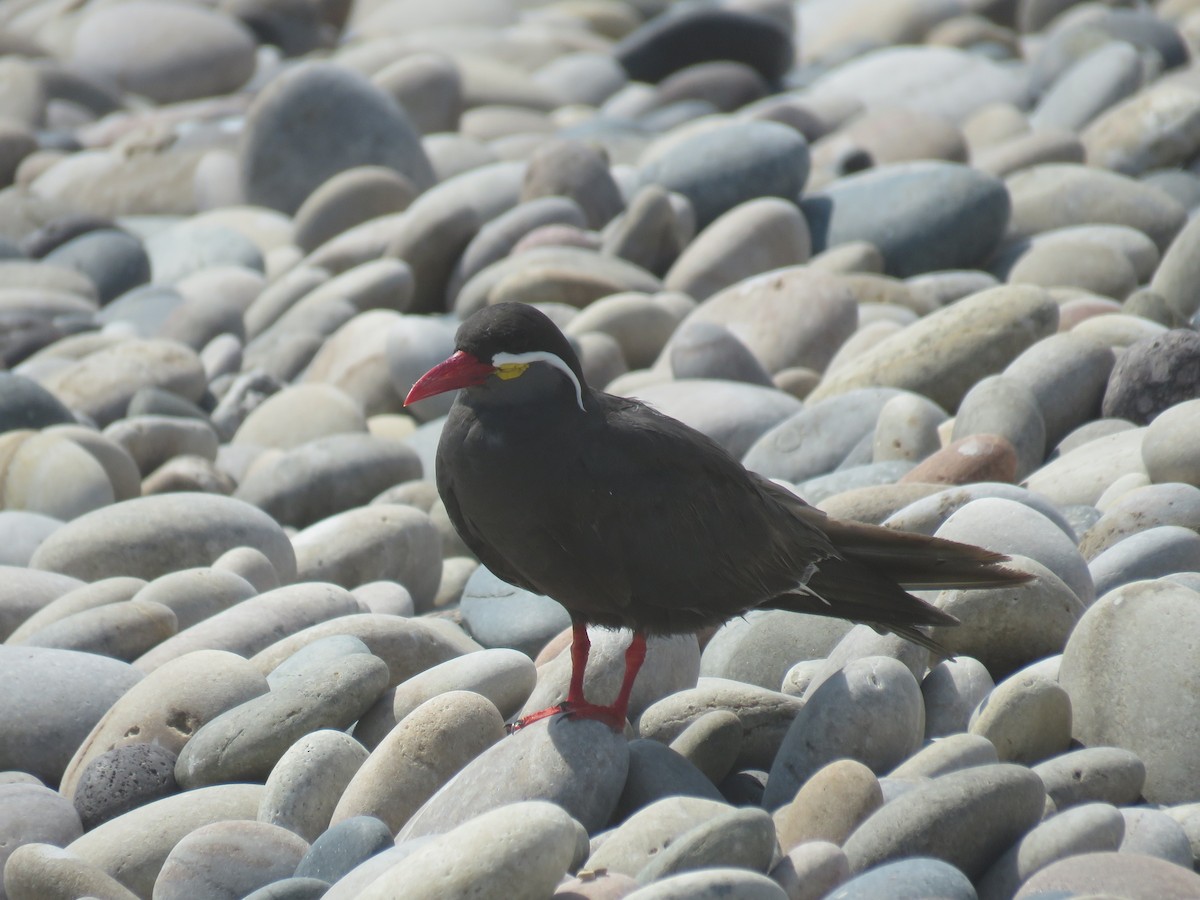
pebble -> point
(924, 358)
(916, 235)
(343, 847)
(907, 429)
(47, 872)
(321, 97)
(931, 819)
(33, 814)
(1149, 554)
(1153, 375)
(1093, 774)
(52, 475)
(829, 805)
(522, 850)
(503, 676)
(711, 743)
(1118, 701)
(255, 624)
(299, 414)
(761, 646)
(712, 884)
(951, 691)
(1082, 472)
(1128, 874)
(123, 779)
(1026, 718)
(975, 458)
(1067, 375)
(349, 198)
(229, 859)
(306, 783)
(947, 754)
(578, 765)
(765, 716)
(1154, 833)
(160, 535)
(1150, 506)
(132, 848)
(741, 838)
(908, 879)
(245, 743)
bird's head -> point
(513, 353)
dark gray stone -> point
(655, 772)
(123, 779)
(115, 261)
(909, 879)
(26, 404)
(343, 846)
(1153, 375)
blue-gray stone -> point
(114, 261)
(909, 879)
(26, 404)
(291, 889)
(656, 771)
(922, 216)
(726, 166)
(344, 846)
(1163, 550)
(498, 614)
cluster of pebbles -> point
(931, 262)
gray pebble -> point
(908, 879)
(228, 859)
(1151, 832)
(811, 870)
(951, 691)
(42, 871)
(1093, 774)
(829, 806)
(656, 771)
(1026, 718)
(712, 884)
(1139, 509)
(1153, 553)
(948, 754)
(305, 784)
(344, 846)
(741, 838)
(122, 779)
(1100, 874)
(711, 743)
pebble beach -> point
(931, 264)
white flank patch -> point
(543, 356)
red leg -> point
(614, 715)
(581, 646)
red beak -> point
(459, 371)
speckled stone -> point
(123, 779)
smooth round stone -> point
(1059, 195)
(574, 170)
(521, 851)
(908, 879)
(99, 594)
(498, 614)
(1158, 127)
(757, 236)
(31, 813)
(320, 652)
(123, 779)
(948, 754)
(933, 818)
(1149, 554)
(817, 439)
(1067, 375)
(429, 88)
(811, 870)
(1132, 244)
(1140, 509)
(21, 533)
(1154, 833)
(1130, 875)
(1010, 627)
(711, 884)
(190, 247)
(496, 238)
(579, 765)
(229, 858)
(1010, 527)
(967, 460)
(907, 429)
(320, 99)
(1007, 407)
(1094, 774)
(343, 847)
(855, 476)
(167, 707)
(349, 198)
(54, 698)
(305, 784)
(742, 838)
(327, 476)
(1165, 449)
(1091, 828)
(1174, 278)
(195, 594)
(734, 414)
(652, 231)
(257, 623)
(640, 325)
(505, 677)
(792, 317)
(299, 414)
(370, 543)
(754, 159)
(430, 237)
(872, 712)
(657, 771)
(1076, 263)
(945, 353)
(51, 475)
(951, 691)
(47, 872)
(1119, 701)
(123, 630)
(196, 53)
(153, 440)
(637, 841)
(1082, 472)
(245, 743)
(102, 383)
(134, 846)
(1153, 375)
(418, 756)
(159, 535)
(1026, 718)
(830, 805)
(291, 889)
(762, 645)
(26, 404)
(672, 664)
(765, 716)
(711, 743)
(667, 44)
(1088, 87)
(916, 234)
(1031, 149)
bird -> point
(631, 519)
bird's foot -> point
(609, 715)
